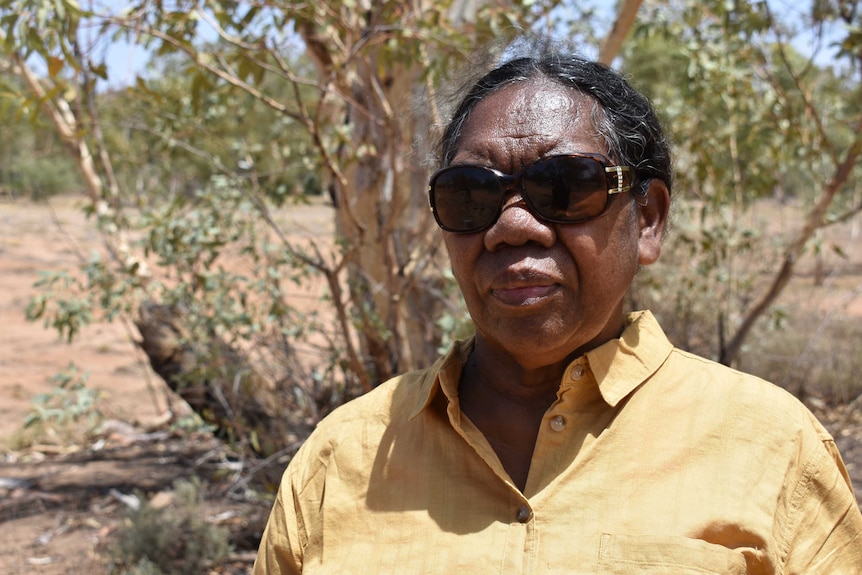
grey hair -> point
(623, 117)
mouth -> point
(524, 295)
(524, 287)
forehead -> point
(528, 120)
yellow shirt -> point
(651, 461)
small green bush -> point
(69, 412)
(175, 539)
(43, 177)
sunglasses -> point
(563, 189)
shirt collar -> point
(444, 375)
(619, 365)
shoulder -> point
(354, 429)
(714, 376)
(749, 399)
(746, 416)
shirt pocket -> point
(654, 555)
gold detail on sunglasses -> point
(619, 171)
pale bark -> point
(72, 135)
(381, 209)
(61, 116)
(613, 42)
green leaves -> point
(61, 303)
(45, 27)
(68, 402)
(757, 125)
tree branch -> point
(814, 220)
(614, 40)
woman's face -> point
(537, 291)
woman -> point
(566, 436)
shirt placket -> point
(555, 431)
(558, 427)
(522, 549)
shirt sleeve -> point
(280, 551)
(824, 519)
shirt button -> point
(577, 372)
(558, 423)
(524, 514)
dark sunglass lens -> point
(465, 198)
(567, 189)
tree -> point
(32, 160)
(752, 118)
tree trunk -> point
(218, 382)
(381, 207)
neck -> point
(507, 376)
(507, 403)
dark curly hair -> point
(624, 118)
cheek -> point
(605, 249)
(462, 254)
(625, 247)
(625, 232)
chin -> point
(531, 340)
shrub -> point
(175, 539)
(67, 413)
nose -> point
(515, 200)
(518, 225)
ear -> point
(653, 211)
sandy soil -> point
(36, 238)
(41, 237)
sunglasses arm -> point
(623, 177)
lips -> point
(523, 296)
(522, 286)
